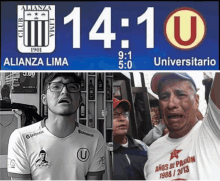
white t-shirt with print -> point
(196, 156)
(34, 150)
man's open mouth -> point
(122, 126)
(66, 101)
(174, 116)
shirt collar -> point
(131, 143)
(44, 120)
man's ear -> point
(197, 101)
(44, 99)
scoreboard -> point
(102, 35)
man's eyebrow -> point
(118, 112)
(165, 93)
(180, 91)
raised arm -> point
(215, 92)
(154, 134)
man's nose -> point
(173, 102)
(64, 90)
(121, 118)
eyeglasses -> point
(117, 115)
(58, 86)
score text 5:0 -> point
(125, 64)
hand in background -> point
(104, 112)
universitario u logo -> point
(36, 28)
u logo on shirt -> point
(83, 154)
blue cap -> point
(161, 77)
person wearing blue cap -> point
(191, 149)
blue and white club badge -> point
(36, 28)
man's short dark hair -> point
(42, 151)
(50, 77)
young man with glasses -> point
(72, 151)
(130, 154)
